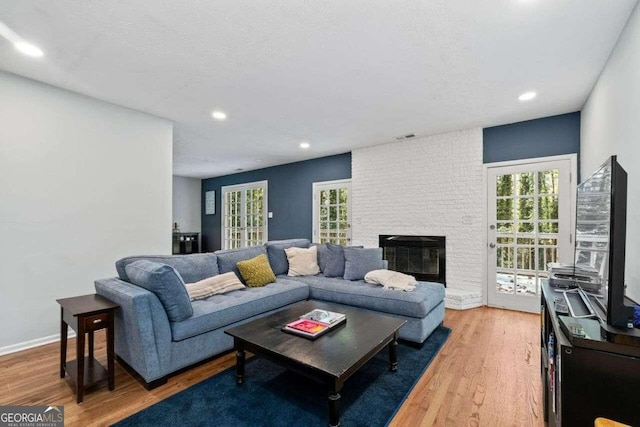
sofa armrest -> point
(142, 331)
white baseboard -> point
(14, 348)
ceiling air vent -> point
(407, 136)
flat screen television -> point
(601, 227)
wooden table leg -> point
(334, 405)
(111, 353)
(90, 345)
(240, 365)
(80, 363)
(63, 344)
(393, 353)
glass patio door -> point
(529, 225)
(331, 212)
(244, 215)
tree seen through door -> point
(526, 229)
(333, 219)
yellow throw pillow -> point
(256, 271)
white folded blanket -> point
(391, 280)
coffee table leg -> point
(334, 405)
(239, 366)
(393, 354)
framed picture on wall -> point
(210, 202)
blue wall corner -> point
(548, 136)
(289, 196)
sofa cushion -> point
(302, 261)
(359, 261)
(192, 268)
(218, 311)
(418, 303)
(220, 284)
(277, 256)
(164, 281)
(256, 271)
(229, 258)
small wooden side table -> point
(86, 314)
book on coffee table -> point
(309, 327)
(324, 316)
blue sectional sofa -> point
(155, 347)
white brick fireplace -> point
(426, 186)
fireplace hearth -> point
(420, 256)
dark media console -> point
(584, 376)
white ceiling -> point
(340, 74)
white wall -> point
(186, 203)
(425, 186)
(82, 183)
(611, 125)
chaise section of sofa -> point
(423, 308)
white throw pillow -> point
(302, 261)
(213, 285)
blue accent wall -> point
(549, 136)
(290, 196)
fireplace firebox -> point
(420, 256)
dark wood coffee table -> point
(332, 358)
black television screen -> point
(601, 222)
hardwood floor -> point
(487, 374)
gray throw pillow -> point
(334, 261)
(278, 257)
(359, 261)
(164, 281)
(228, 259)
(331, 259)
(322, 255)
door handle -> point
(492, 245)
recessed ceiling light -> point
(219, 115)
(305, 145)
(527, 96)
(28, 49)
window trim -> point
(315, 235)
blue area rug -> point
(273, 396)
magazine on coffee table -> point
(307, 326)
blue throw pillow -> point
(322, 255)
(360, 261)
(164, 281)
(334, 261)
(277, 256)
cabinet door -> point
(599, 384)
